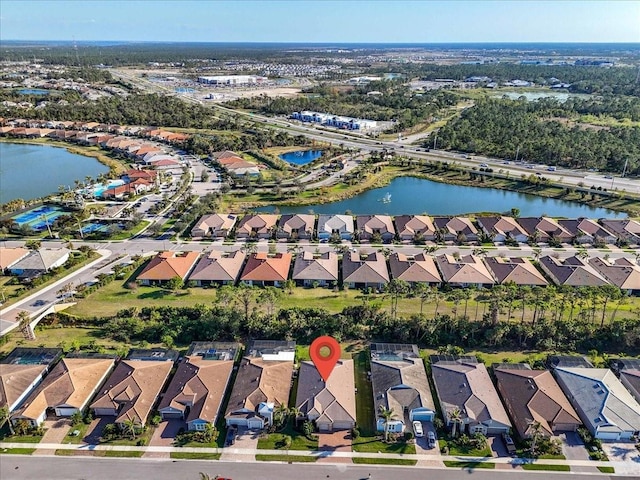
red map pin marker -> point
(325, 363)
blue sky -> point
(417, 21)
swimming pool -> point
(99, 189)
(37, 218)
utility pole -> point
(517, 152)
(624, 170)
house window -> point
(199, 426)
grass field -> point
(17, 451)
(469, 465)
(195, 456)
(550, 468)
(464, 452)
(273, 441)
(373, 445)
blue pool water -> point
(100, 188)
(184, 90)
(33, 91)
(37, 218)
(301, 157)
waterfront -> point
(413, 196)
(32, 171)
(301, 157)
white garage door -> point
(607, 435)
(65, 412)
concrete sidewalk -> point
(248, 455)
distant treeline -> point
(539, 132)
(368, 322)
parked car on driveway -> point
(432, 439)
(508, 441)
(417, 429)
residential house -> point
(621, 272)
(534, 396)
(296, 226)
(131, 189)
(463, 386)
(262, 385)
(627, 231)
(628, 369)
(9, 256)
(588, 231)
(67, 389)
(310, 269)
(262, 269)
(218, 267)
(455, 229)
(400, 384)
(571, 271)
(259, 226)
(464, 271)
(166, 266)
(331, 404)
(375, 228)
(415, 227)
(131, 390)
(417, 269)
(22, 371)
(604, 405)
(501, 229)
(216, 225)
(364, 271)
(545, 230)
(518, 270)
(196, 390)
(151, 176)
(337, 226)
(39, 262)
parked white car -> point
(417, 429)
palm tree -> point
(209, 432)
(387, 415)
(535, 429)
(455, 418)
(5, 417)
(279, 414)
(24, 322)
(129, 427)
(296, 414)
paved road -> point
(85, 468)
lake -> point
(32, 171)
(301, 157)
(413, 196)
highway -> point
(15, 467)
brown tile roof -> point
(534, 395)
(167, 265)
(132, 389)
(468, 269)
(297, 222)
(622, 273)
(330, 401)
(260, 224)
(546, 228)
(260, 381)
(375, 223)
(517, 270)
(506, 226)
(16, 379)
(217, 267)
(9, 256)
(410, 225)
(214, 224)
(571, 271)
(455, 225)
(72, 382)
(371, 268)
(198, 384)
(262, 268)
(467, 386)
(585, 227)
(310, 267)
(420, 268)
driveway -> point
(166, 432)
(339, 441)
(497, 446)
(94, 431)
(245, 440)
(623, 452)
(56, 432)
(572, 446)
(422, 443)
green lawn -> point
(365, 416)
(469, 465)
(373, 445)
(17, 451)
(607, 469)
(5, 436)
(143, 437)
(195, 456)
(273, 441)
(464, 452)
(119, 453)
(286, 458)
(76, 439)
(65, 452)
(551, 468)
(385, 461)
